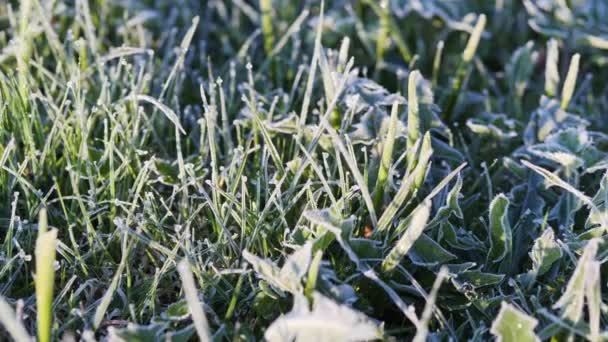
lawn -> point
(337, 170)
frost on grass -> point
(303, 170)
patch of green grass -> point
(339, 170)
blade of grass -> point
(195, 306)
(45, 277)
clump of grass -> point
(287, 170)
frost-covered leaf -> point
(371, 94)
(499, 126)
(287, 278)
(459, 238)
(327, 321)
(329, 218)
(451, 206)
(427, 252)
(582, 21)
(573, 299)
(598, 216)
(549, 118)
(134, 332)
(500, 229)
(554, 180)
(297, 263)
(455, 14)
(513, 325)
(373, 124)
(520, 68)
(557, 154)
(177, 311)
(545, 252)
(406, 241)
(478, 279)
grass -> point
(280, 170)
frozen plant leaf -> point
(271, 273)
(289, 277)
(327, 321)
(556, 154)
(477, 279)
(407, 240)
(598, 216)
(520, 68)
(498, 126)
(451, 206)
(297, 263)
(513, 325)
(135, 332)
(545, 252)
(427, 252)
(573, 299)
(455, 14)
(549, 118)
(500, 229)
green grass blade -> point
(45, 277)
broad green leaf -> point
(326, 321)
(500, 229)
(177, 311)
(545, 252)
(289, 277)
(134, 332)
(297, 263)
(513, 325)
(478, 279)
(498, 126)
(451, 206)
(270, 272)
(182, 335)
(367, 248)
(549, 118)
(427, 252)
(557, 154)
